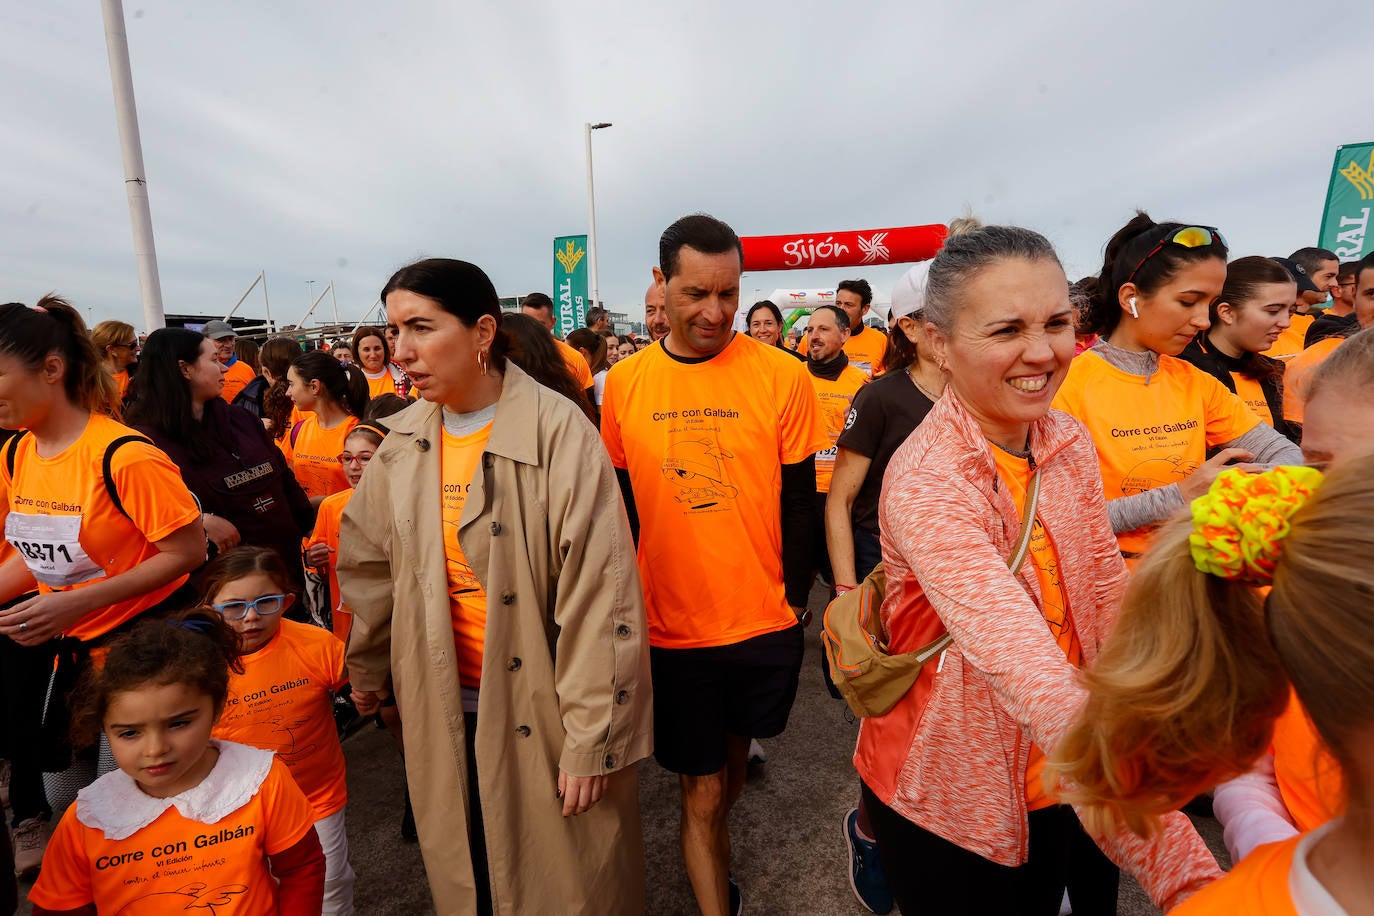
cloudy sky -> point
(338, 140)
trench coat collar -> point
(514, 430)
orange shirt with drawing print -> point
(176, 864)
(467, 599)
(284, 703)
(236, 378)
(314, 455)
(1150, 432)
(60, 518)
(1015, 473)
(704, 442)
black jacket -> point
(1202, 354)
(245, 480)
(1328, 325)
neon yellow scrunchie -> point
(1240, 523)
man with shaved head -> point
(656, 312)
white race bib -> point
(51, 548)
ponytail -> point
(1123, 255)
(1186, 690)
(344, 385)
(54, 326)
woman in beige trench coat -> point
(564, 710)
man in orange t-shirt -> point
(836, 380)
(714, 436)
(540, 307)
(237, 373)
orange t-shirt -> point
(314, 456)
(284, 703)
(1290, 343)
(327, 532)
(1309, 778)
(176, 864)
(1150, 435)
(1249, 391)
(577, 365)
(835, 398)
(236, 378)
(60, 518)
(1016, 474)
(705, 443)
(1299, 371)
(122, 380)
(1257, 886)
(383, 384)
(467, 599)
(865, 350)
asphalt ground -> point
(789, 851)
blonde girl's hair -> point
(1186, 690)
(111, 334)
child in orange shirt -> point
(323, 551)
(283, 699)
(333, 398)
(186, 821)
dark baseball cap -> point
(1296, 270)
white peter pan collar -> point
(1310, 896)
(115, 805)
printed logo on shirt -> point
(697, 468)
(849, 420)
(1154, 473)
(274, 724)
(248, 476)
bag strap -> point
(1018, 556)
(296, 431)
(107, 470)
(11, 447)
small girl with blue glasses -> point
(283, 700)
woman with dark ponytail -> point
(103, 528)
(1163, 428)
(1250, 315)
(333, 397)
(537, 582)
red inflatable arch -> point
(806, 251)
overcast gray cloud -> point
(337, 140)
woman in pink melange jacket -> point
(952, 775)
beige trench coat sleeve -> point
(602, 659)
(364, 572)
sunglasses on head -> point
(1187, 237)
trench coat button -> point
(623, 631)
(495, 528)
(513, 664)
(621, 696)
(523, 731)
(610, 761)
(422, 444)
(508, 598)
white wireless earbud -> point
(1134, 312)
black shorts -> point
(702, 695)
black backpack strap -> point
(106, 470)
(11, 448)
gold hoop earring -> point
(483, 361)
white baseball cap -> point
(909, 295)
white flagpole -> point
(135, 183)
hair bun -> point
(1240, 524)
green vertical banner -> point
(569, 283)
(1348, 202)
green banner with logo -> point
(569, 283)
(1349, 200)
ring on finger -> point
(23, 625)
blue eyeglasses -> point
(266, 606)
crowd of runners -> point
(1110, 538)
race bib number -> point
(51, 548)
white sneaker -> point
(30, 842)
(756, 752)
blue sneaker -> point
(866, 876)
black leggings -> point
(24, 674)
(928, 874)
(477, 836)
